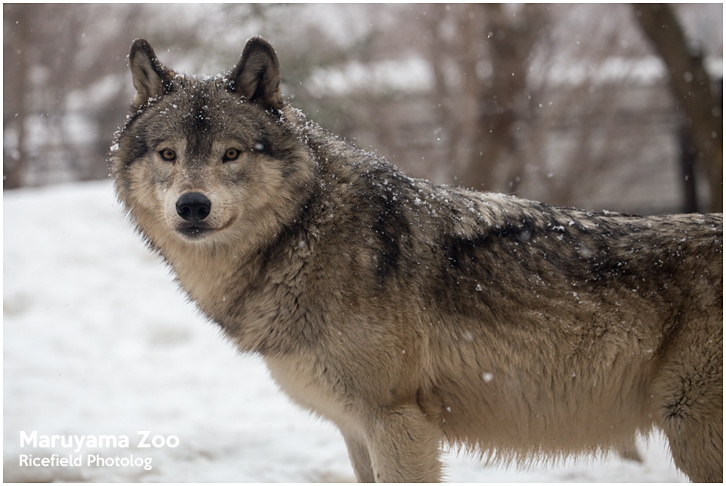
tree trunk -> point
(687, 160)
(692, 89)
(500, 98)
(14, 164)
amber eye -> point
(231, 154)
(168, 154)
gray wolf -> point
(409, 313)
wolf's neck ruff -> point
(409, 313)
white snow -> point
(99, 342)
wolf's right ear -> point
(257, 74)
(151, 78)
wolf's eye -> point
(231, 154)
(168, 154)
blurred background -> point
(614, 107)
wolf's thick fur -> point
(410, 313)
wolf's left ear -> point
(151, 78)
(257, 74)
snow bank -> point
(99, 342)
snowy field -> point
(99, 342)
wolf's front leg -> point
(360, 458)
(404, 446)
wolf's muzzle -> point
(193, 206)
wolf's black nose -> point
(193, 206)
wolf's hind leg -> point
(688, 396)
(630, 452)
(697, 446)
(404, 446)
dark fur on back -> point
(409, 313)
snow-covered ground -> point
(98, 341)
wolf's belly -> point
(552, 415)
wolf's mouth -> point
(195, 232)
(198, 232)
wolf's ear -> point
(151, 78)
(257, 74)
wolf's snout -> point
(193, 206)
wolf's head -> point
(209, 160)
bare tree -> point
(692, 89)
(502, 97)
(17, 90)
